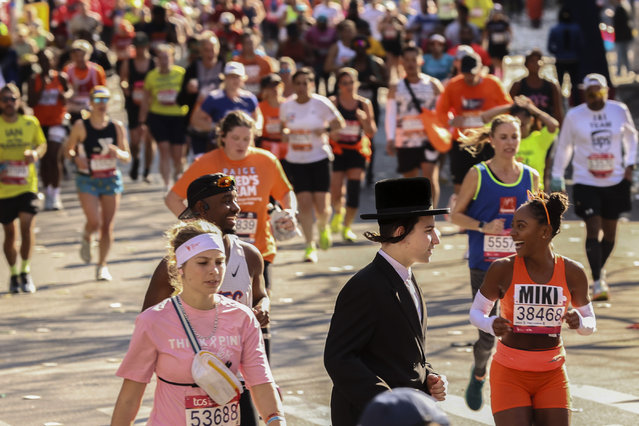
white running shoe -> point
(600, 290)
(85, 250)
(102, 274)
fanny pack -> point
(209, 372)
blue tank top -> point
(494, 199)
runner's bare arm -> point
(128, 403)
(261, 303)
(175, 203)
(458, 215)
(159, 287)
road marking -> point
(310, 412)
(620, 400)
(456, 405)
(142, 418)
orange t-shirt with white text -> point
(257, 177)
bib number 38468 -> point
(202, 411)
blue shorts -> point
(99, 186)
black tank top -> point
(136, 78)
(352, 133)
(542, 97)
(97, 141)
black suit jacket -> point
(375, 342)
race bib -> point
(472, 121)
(202, 411)
(56, 134)
(79, 101)
(137, 96)
(103, 165)
(499, 38)
(538, 309)
(351, 132)
(300, 141)
(16, 173)
(167, 97)
(49, 97)
(498, 246)
(273, 126)
(246, 226)
(601, 165)
(412, 124)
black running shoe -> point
(14, 284)
(135, 165)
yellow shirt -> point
(18, 177)
(164, 89)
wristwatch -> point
(481, 226)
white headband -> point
(198, 244)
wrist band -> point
(272, 419)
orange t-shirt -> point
(462, 99)
(536, 308)
(257, 177)
(255, 69)
(82, 80)
(50, 109)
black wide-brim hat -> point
(403, 197)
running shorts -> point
(608, 202)
(10, 208)
(461, 160)
(349, 159)
(99, 186)
(309, 177)
(171, 128)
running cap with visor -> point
(594, 79)
(233, 67)
(82, 45)
(203, 187)
(100, 92)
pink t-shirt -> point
(160, 345)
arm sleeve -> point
(350, 332)
(629, 140)
(563, 152)
(587, 320)
(390, 121)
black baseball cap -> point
(470, 64)
(270, 80)
(203, 187)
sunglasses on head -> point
(359, 43)
(223, 182)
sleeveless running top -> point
(82, 86)
(536, 308)
(96, 147)
(352, 132)
(136, 81)
(237, 283)
(494, 199)
(542, 97)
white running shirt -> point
(603, 142)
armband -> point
(587, 320)
(391, 119)
(479, 313)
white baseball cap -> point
(234, 68)
(594, 79)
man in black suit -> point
(377, 337)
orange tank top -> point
(536, 308)
(50, 109)
(272, 130)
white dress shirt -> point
(405, 274)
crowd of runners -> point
(261, 116)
